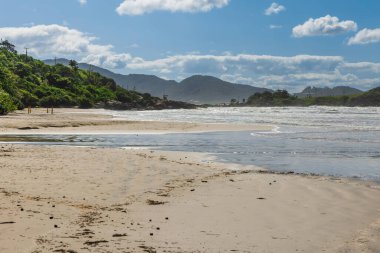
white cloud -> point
(290, 72)
(324, 26)
(254, 64)
(275, 26)
(82, 2)
(47, 41)
(368, 67)
(275, 8)
(139, 7)
(134, 45)
(365, 36)
(276, 72)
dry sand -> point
(81, 199)
(72, 199)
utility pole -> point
(164, 96)
(55, 60)
(26, 53)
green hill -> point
(283, 98)
(369, 98)
(25, 81)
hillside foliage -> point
(283, 98)
(25, 81)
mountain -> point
(208, 89)
(326, 91)
(25, 81)
(195, 89)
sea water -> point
(339, 141)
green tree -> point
(6, 103)
(74, 65)
(5, 44)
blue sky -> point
(277, 44)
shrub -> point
(85, 102)
(6, 103)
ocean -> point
(336, 141)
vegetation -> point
(6, 103)
(370, 98)
(277, 98)
(25, 81)
(283, 98)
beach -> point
(97, 199)
(82, 121)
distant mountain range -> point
(328, 92)
(199, 89)
(195, 89)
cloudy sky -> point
(276, 44)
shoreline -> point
(56, 198)
(211, 157)
(80, 121)
(19, 126)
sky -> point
(282, 44)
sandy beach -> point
(66, 121)
(84, 199)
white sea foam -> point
(355, 118)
